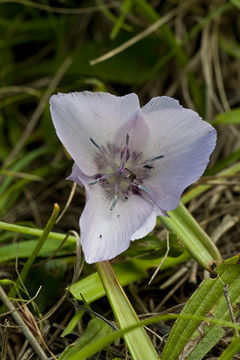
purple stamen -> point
(125, 154)
(122, 168)
(123, 174)
(122, 153)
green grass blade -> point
(126, 7)
(34, 232)
(208, 300)
(127, 272)
(228, 118)
(36, 250)
(231, 350)
(97, 329)
(98, 345)
(21, 164)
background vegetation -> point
(189, 50)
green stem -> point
(137, 340)
(196, 241)
(40, 242)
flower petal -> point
(185, 141)
(106, 233)
(137, 130)
(146, 228)
(81, 116)
(76, 175)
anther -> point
(94, 182)
(127, 139)
(155, 158)
(144, 188)
(148, 167)
(95, 144)
(114, 202)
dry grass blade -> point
(162, 261)
(21, 175)
(226, 224)
(226, 295)
(77, 271)
(20, 306)
(25, 329)
(59, 10)
(4, 340)
(74, 186)
(136, 38)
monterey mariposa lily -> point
(134, 162)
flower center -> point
(122, 171)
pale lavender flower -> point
(134, 162)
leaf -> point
(72, 323)
(127, 272)
(236, 3)
(152, 247)
(230, 117)
(192, 339)
(25, 248)
(231, 350)
(50, 275)
(139, 345)
(95, 330)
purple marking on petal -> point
(127, 154)
(134, 155)
(122, 168)
(135, 190)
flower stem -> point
(137, 340)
